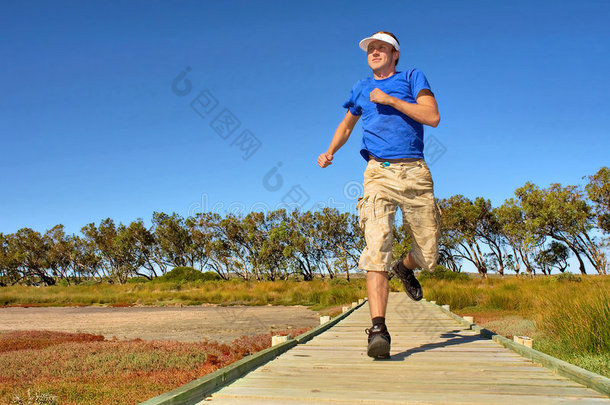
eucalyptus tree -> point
(323, 243)
(86, 261)
(461, 219)
(244, 238)
(60, 253)
(30, 252)
(117, 247)
(10, 273)
(563, 214)
(214, 235)
(339, 239)
(448, 244)
(554, 255)
(598, 191)
(147, 250)
(489, 231)
(303, 248)
(522, 237)
(274, 251)
(174, 239)
(71, 257)
(200, 237)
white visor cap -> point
(382, 37)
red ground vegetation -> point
(80, 368)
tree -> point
(461, 219)
(28, 250)
(338, 238)
(274, 252)
(555, 255)
(9, 265)
(86, 261)
(146, 249)
(174, 240)
(117, 247)
(60, 253)
(563, 214)
(489, 232)
(522, 237)
(302, 247)
(244, 238)
(598, 191)
(448, 243)
(211, 239)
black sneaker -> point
(379, 342)
(409, 282)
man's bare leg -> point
(377, 288)
(409, 262)
(404, 271)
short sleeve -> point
(351, 104)
(418, 82)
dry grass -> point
(318, 294)
(581, 320)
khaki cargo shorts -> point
(407, 185)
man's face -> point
(381, 55)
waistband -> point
(401, 160)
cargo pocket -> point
(439, 217)
(361, 207)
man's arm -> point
(341, 136)
(425, 111)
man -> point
(394, 106)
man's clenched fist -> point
(325, 159)
(379, 97)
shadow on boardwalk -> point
(454, 338)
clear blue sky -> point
(90, 127)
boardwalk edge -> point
(197, 390)
(585, 377)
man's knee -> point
(377, 273)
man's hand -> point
(325, 159)
(424, 111)
(379, 97)
(339, 138)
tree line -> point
(536, 231)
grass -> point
(70, 368)
(317, 294)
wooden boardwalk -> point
(434, 360)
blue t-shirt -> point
(388, 133)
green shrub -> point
(182, 274)
(211, 276)
(137, 280)
(442, 273)
(567, 277)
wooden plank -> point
(435, 359)
(523, 373)
(516, 380)
(585, 377)
(404, 387)
(315, 395)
